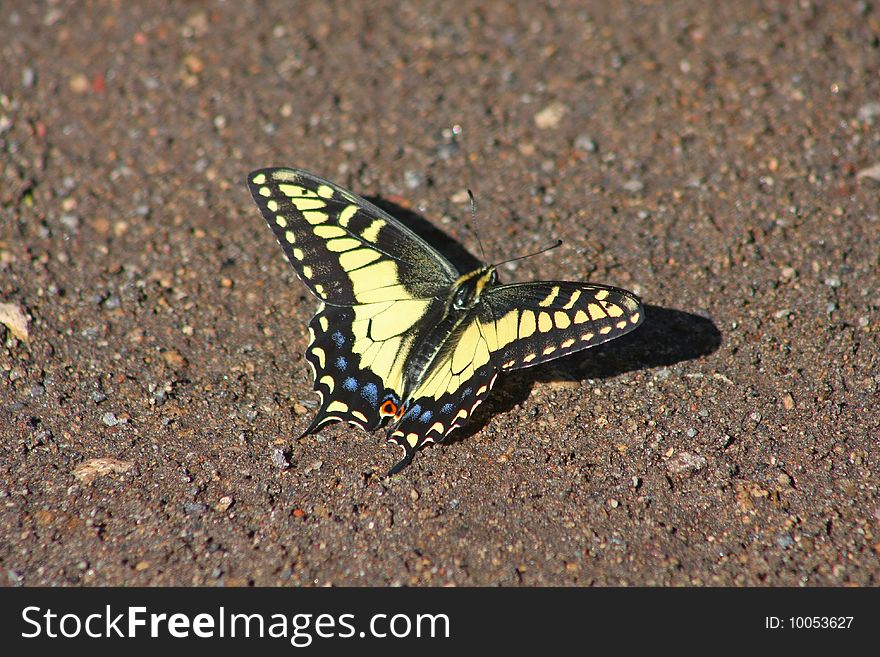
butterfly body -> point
(401, 337)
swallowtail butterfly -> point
(401, 337)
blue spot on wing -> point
(341, 363)
(426, 417)
(467, 392)
(447, 408)
(338, 338)
(370, 393)
(350, 384)
(415, 410)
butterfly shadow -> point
(666, 337)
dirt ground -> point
(721, 160)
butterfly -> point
(403, 339)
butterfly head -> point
(467, 289)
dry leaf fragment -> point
(14, 318)
(87, 471)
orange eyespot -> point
(388, 408)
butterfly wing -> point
(381, 286)
(525, 324)
(513, 326)
(345, 249)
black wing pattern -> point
(514, 326)
(530, 323)
(345, 249)
(379, 283)
(401, 337)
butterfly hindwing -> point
(430, 418)
(349, 392)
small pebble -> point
(585, 144)
(447, 150)
(784, 541)
(412, 179)
(279, 460)
(662, 374)
(174, 358)
(461, 196)
(193, 64)
(110, 419)
(868, 112)
(194, 508)
(79, 84)
(686, 462)
(551, 115)
(70, 220)
(634, 186)
(872, 172)
(14, 318)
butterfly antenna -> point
(474, 223)
(555, 245)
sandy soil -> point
(720, 161)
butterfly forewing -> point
(513, 327)
(525, 324)
(345, 249)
